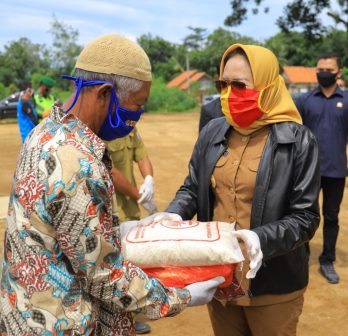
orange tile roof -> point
(299, 75)
(181, 80)
(194, 78)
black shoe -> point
(328, 271)
(141, 328)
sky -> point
(168, 19)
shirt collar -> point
(80, 130)
(337, 92)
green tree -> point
(161, 54)
(12, 88)
(334, 40)
(217, 42)
(292, 48)
(208, 59)
(303, 14)
(196, 39)
(65, 48)
(240, 9)
(3, 91)
(20, 59)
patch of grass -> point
(163, 99)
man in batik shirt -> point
(63, 271)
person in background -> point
(63, 271)
(211, 110)
(26, 113)
(43, 98)
(324, 111)
(341, 84)
(124, 151)
(257, 168)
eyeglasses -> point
(223, 84)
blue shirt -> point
(26, 117)
(327, 118)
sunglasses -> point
(223, 84)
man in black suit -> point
(211, 110)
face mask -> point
(326, 79)
(119, 121)
(240, 106)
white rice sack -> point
(182, 243)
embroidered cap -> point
(117, 55)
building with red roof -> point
(299, 79)
(191, 77)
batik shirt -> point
(63, 272)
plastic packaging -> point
(182, 243)
(181, 276)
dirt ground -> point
(170, 139)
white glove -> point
(253, 249)
(203, 292)
(158, 216)
(146, 189)
(125, 227)
(150, 206)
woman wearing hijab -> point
(257, 167)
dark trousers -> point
(333, 189)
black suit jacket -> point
(210, 111)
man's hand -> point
(203, 292)
(146, 189)
(253, 248)
(158, 216)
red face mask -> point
(241, 105)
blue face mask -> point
(119, 121)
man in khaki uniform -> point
(124, 151)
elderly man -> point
(63, 271)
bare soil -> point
(169, 139)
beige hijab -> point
(274, 100)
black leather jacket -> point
(285, 212)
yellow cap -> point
(117, 55)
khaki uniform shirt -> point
(233, 181)
(123, 152)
